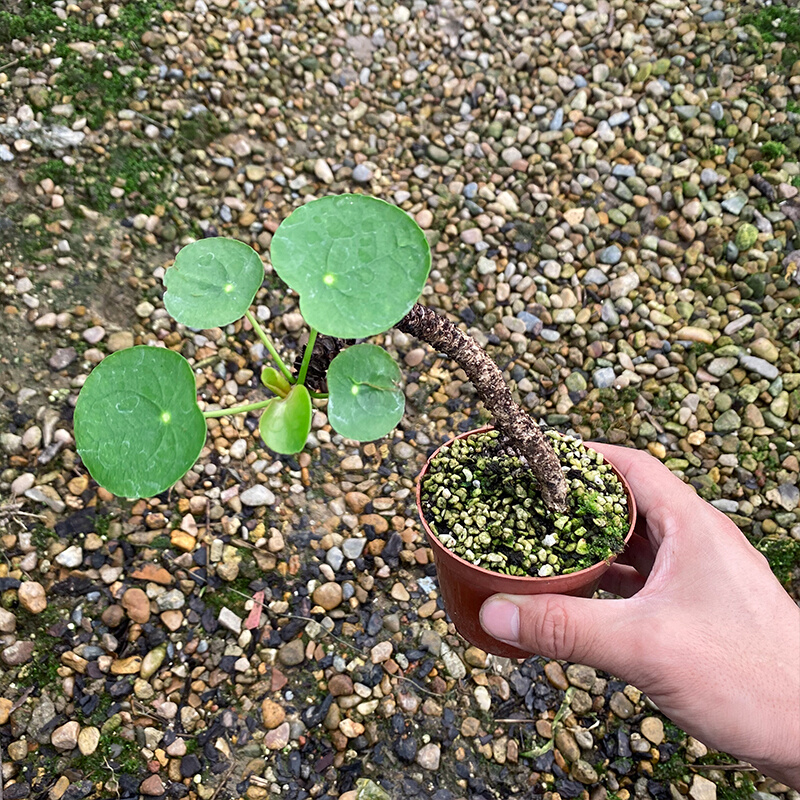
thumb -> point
(606, 634)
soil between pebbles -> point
(610, 191)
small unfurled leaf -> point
(286, 421)
(358, 263)
(365, 400)
(275, 382)
(212, 282)
(138, 427)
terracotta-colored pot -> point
(465, 586)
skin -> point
(704, 629)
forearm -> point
(776, 708)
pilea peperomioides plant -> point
(513, 509)
(358, 265)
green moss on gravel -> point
(94, 94)
(783, 556)
(113, 751)
(137, 170)
(778, 23)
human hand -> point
(706, 630)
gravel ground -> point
(610, 191)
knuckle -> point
(552, 634)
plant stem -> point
(520, 428)
(268, 344)
(319, 395)
(301, 376)
(225, 412)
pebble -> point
(429, 757)
(257, 496)
(272, 714)
(581, 676)
(555, 674)
(229, 620)
(17, 653)
(278, 738)
(22, 483)
(119, 340)
(136, 604)
(453, 664)
(610, 255)
(65, 737)
(88, 740)
(152, 786)
(292, 653)
(702, 789)
(621, 706)
(760, 366)
(604, 377)
(353, 548)
(623, 286)
(381, 652)
(8, 622)
(362, 174)
(584, 772)
(329, 595)
(63, 357)
(694, 334)
(652, 729)
(71, 558)
(32, 597)
(567, 746)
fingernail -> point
(500, 618)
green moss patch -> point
(783, 556)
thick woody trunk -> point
(522, 432)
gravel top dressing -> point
(485, 506)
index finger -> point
(652, 483)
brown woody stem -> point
(519, 428)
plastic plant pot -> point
(465, 586)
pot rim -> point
(604, 564)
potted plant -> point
(512, 508)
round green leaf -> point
(286, 421)
(138, 427)
(358, 263)
(365, 401)
(212, 282)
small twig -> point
(728, 767)
(420, 688)
(653, 421)
(10, 511)
(26, 694)
(222, 783)
(6, 66)
(242, 543)
(141, 712)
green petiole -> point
(312, 337)
(225, 412)
(270, 347)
